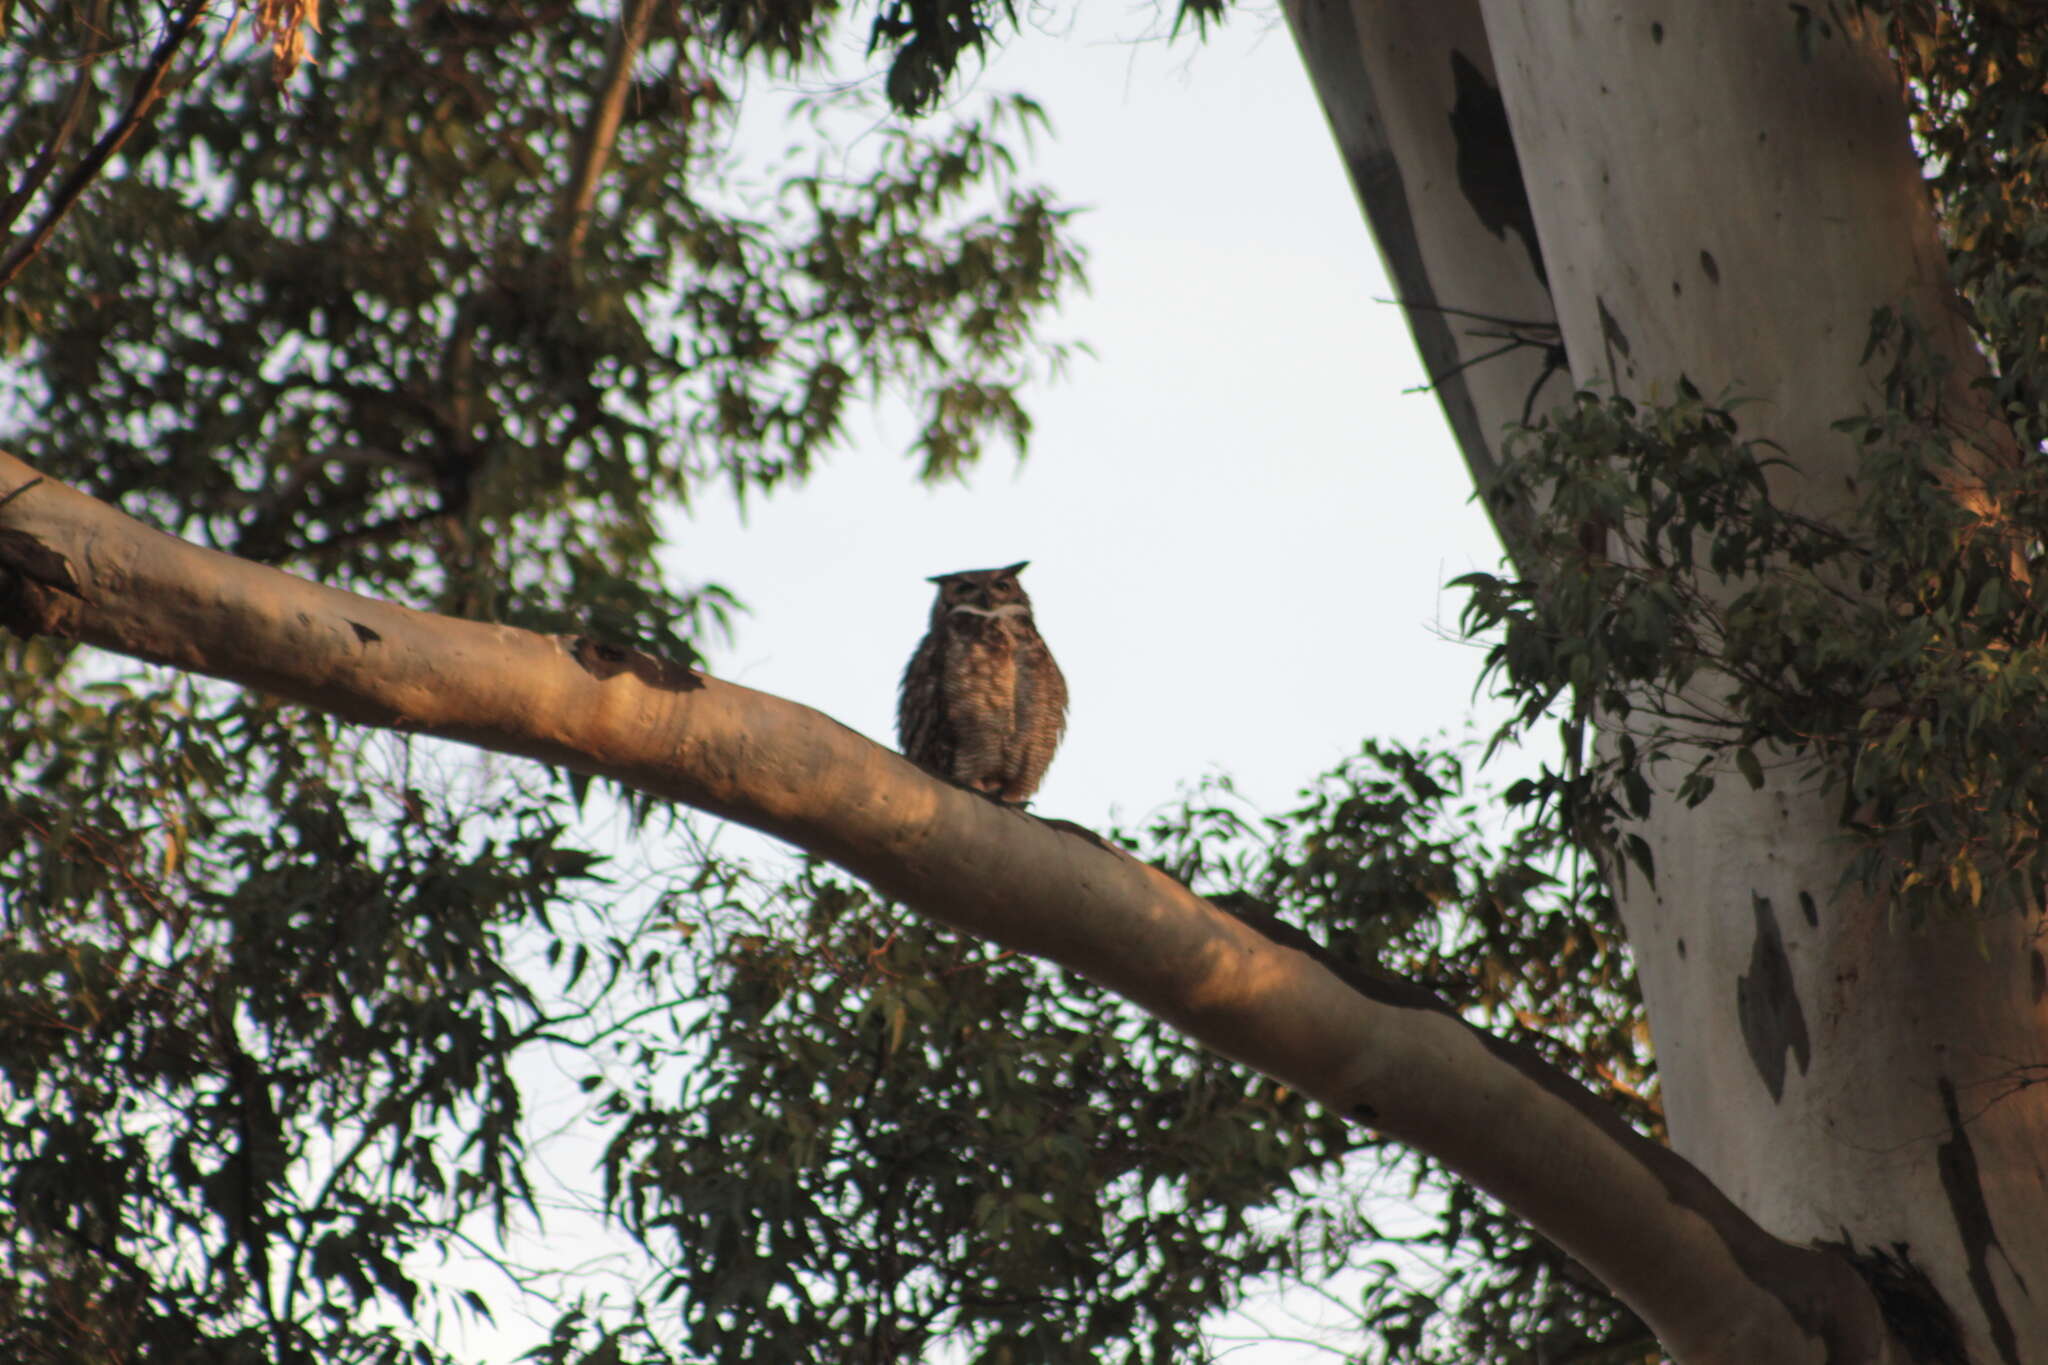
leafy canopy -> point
(1895, 653)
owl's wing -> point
(1043, 718)
(1055, 698)
(920, 706)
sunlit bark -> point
(1707, 1279)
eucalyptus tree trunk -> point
(1726, 195)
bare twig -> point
(148, 86)
(67, 124)
(601, 130)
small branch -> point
(1436, 381)
(148, 86)
(67, 125)
(1530, 324)
(601, 130)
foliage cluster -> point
(1976, 77)
(256, 1024)
(352, 331)
(1893, 651)
(262, 993)
(880, 1138)
(1899, 657)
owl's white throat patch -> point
(1007, 609)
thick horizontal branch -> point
(1382, 1051)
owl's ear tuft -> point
(942, 578)
(1015, 569)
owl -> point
(982, 702)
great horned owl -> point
(982, 702)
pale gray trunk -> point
(1726, 194)
(1412, 98)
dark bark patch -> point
(39, 594)
(1489, 171)
(2040, 972)
(1681, 948)
(1914, 1310)
(1656, 33)
(1610, 330)
(24, 556)
(364, 635)
(1767, 1004)
(1613, 338)
(1809, 909)
(606, 661)
(1957, 1161)
(1710, 266)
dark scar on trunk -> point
(1767, 1004)
(1959, 1181)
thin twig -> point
(601, 131)
(1528, 324)
(67, 125)
(148, 86)
(1437, 381)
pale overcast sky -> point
(1238, 520)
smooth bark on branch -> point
(1713, 1285)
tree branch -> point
(601, 128)
(67, 124)
(1713, 1285)
(148, 85)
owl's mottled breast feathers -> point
(982, 702)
